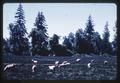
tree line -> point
(83, 41)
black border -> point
(117, 2)
(61, 1)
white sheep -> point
(34, 61)
(33, 68)
(77, 60)
(9, 66)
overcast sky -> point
(63, 18)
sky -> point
(63, 18)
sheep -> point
(9, 66)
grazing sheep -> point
(33, 68)
(64, 63)
(34, 61)
(56, 63)
(105, 62)
(77, 60)
(9, 66)
(34, 65)
(89, 65)
(52, 67)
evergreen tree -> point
(89, 31)
(96, 42)
(106, 34)
(57, 49)
(18, 40)
(39, 36)
(72, 40)
(67, 43)
(114, 42)
(54, 41)
(107, 45)
(80, 42)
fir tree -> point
(71, 37)
(18, 40)
(53, 43)
(106, 44)
(57, 49)
(89, 31)
(106, 34)
(54, 40)
(80, 42)
(72, 40)
(39, 35)
(114, 42)
(67, 43)
(96, 42)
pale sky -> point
(63, 18)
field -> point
(76, 70)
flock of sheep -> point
(51, 67)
